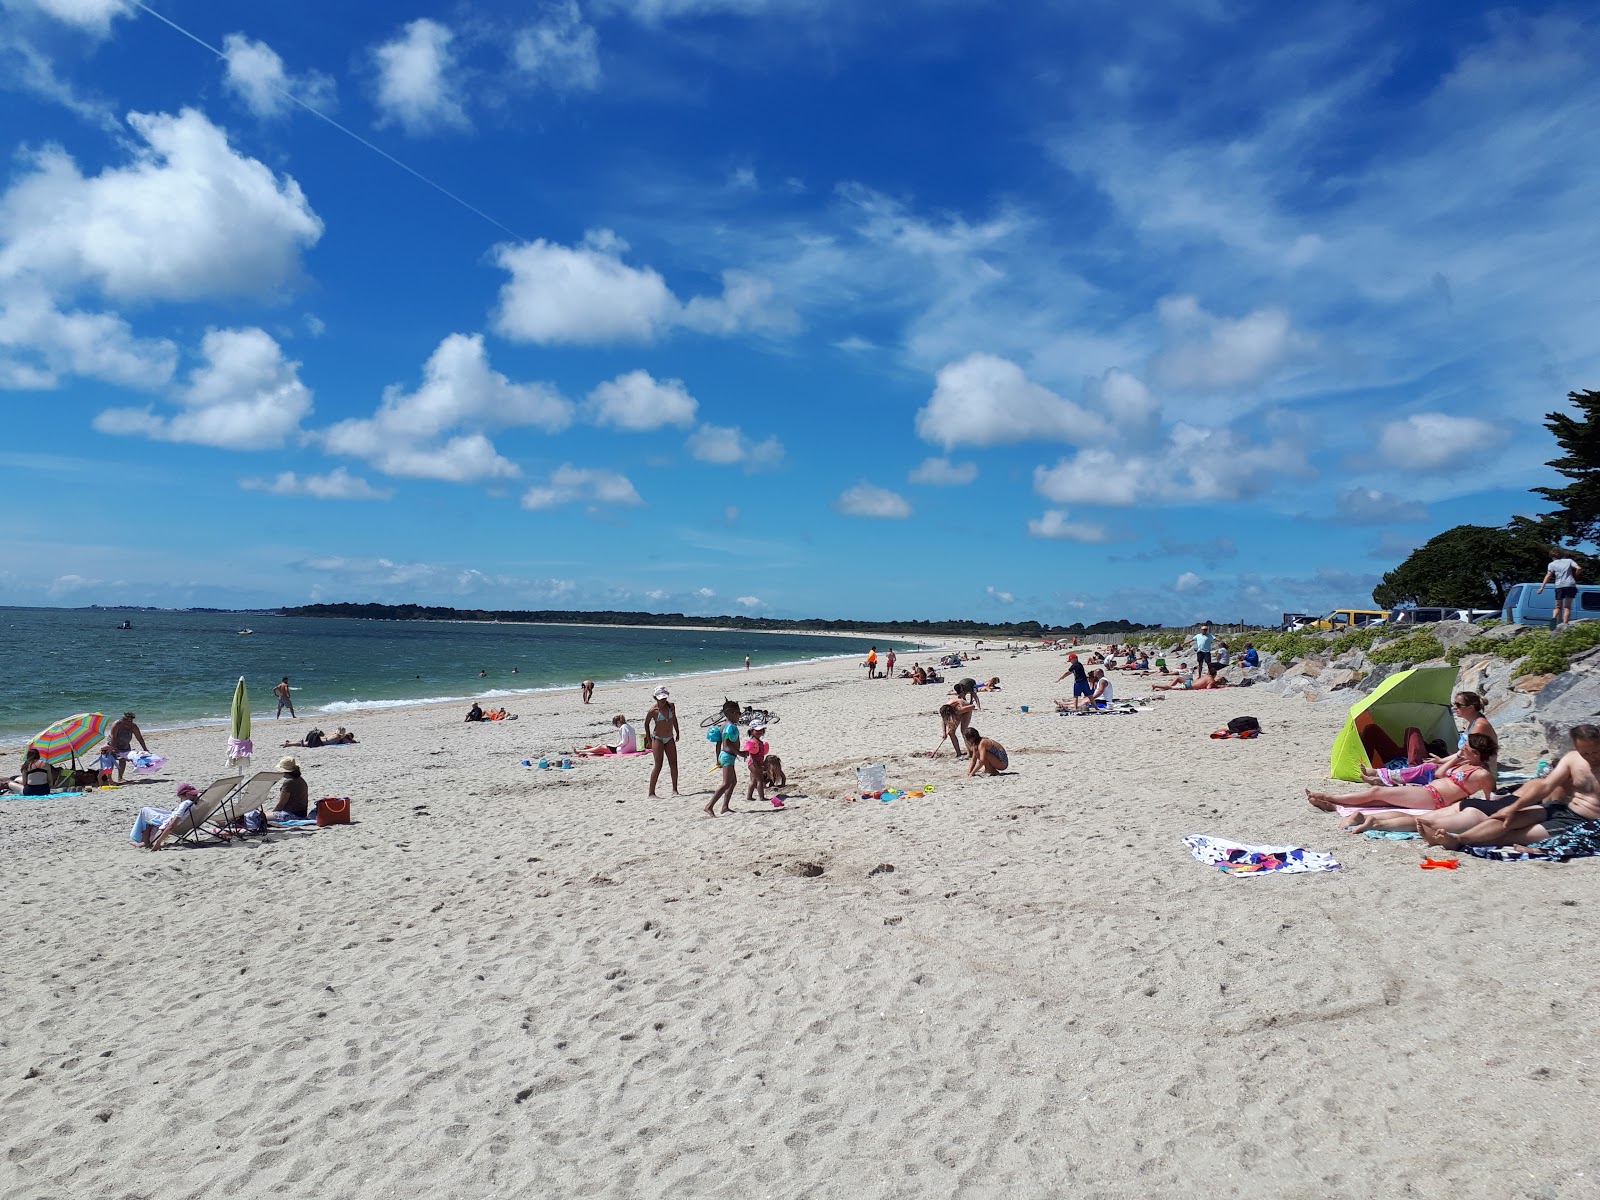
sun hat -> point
(662, 693)
(288, 764)
(188, 789)
(757, 723)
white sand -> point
(511, 982)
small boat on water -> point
(242, 632)
(126, 625)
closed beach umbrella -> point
(69, 738)
(239, 747)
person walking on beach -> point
(661, 731)
(121, 737)
(281, 691)
(746, 662)
(1563, 572)
(725, 736)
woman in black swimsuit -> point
(36, 775)
(661, 727)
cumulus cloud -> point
(409, 435)
(40, 342)
(587, 294)
(190, 219)
(984, 400)
(1192, 466)
(1053, 524)
(639, 403)
(244, 396)
(750, 601)
(1430, 441)
(337, 484)
(1369, 506)
(93, 16)
(1190, 584)
(1003, 597)
(1210, 353)
(869, 500)
(568, 484)
(255, 73)
(941, 472)
(418, 88)
(559, 51)
(728, 446)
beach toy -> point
(527, 762)
(566, 764)
(913, 793)
(927, 787)
(543, 763)
(1439, 864)
(1024, 708)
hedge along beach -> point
(501, 979)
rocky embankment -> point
(1530, 712)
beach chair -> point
(254, 794)
(201, 819)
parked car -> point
(1527, 605)
(1295, 621)
(1351, 618)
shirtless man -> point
(121, 738)
(281, 691)
(1448, 787)
(1541, 808)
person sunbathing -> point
(627, 740)
(1540, 809)
(1448, 788)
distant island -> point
(909, 629)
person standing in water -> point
(281, 691)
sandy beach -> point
(506, 981)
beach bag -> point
(333, 810)
(314, 738)
(255, 821)
(1243, 725)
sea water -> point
(179, 668)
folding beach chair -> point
(254, 794)
(201, 819)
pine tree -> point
(1577, 515)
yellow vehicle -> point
(1351, 618)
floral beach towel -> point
(1236, 858)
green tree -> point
(1470, 566)
(1577, 515)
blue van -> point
(1526, 605)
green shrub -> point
(1412, 648)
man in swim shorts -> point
(1081, 690)
(1541, 808)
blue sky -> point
(961, 308)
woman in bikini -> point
(661, 727)
(1448, 789)
(986, 753)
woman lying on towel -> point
(1448, 787)
(627, 741)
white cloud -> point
(593, 485)
(190, 219)
(1003, 597)
(984, 400)
(338, 484)
(652, 12)
(1369, 506)
(245, 396)
(639, 403)
(1193, 466)
(941, 472)
(50, 342)
(1430, 441)
(1190, 584)
(417, 79)
(704, 593)
(728, 446)
(750, 601)
(459, 391)
(869, 500)
(1053, 524)
(94, 16)
(255, 73)
(560, 51)
(1211, 353)
(586, 294)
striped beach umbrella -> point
(69, 738)
(239, 746)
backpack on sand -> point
(1241, 725)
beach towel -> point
(50, 796)
(1391, 835)
(1581, 841)
(1236, 858)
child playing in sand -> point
(755, 752)
(986, 753)
(105, 763)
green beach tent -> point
(1417, 698)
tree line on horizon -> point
(1474, 566)
(961, 628)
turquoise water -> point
(179, 668)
